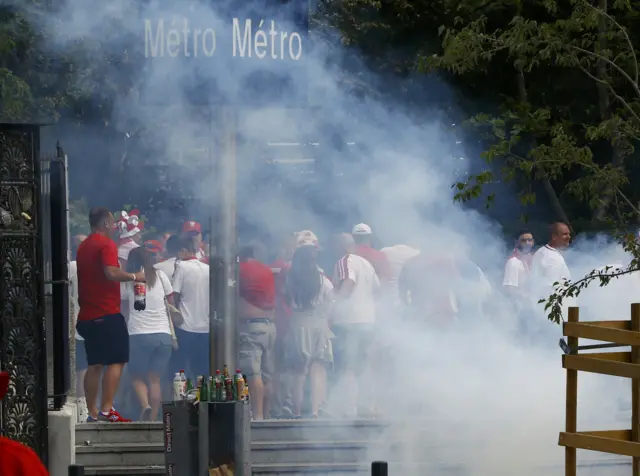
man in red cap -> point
(193, 230)
(17, 459)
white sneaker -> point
(83, 411)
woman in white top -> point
(307, 344)
(150, 338)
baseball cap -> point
(361, 229)
(306, 238)
(191, 227)
(154, 246)
(4, 384)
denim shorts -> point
(150, 353)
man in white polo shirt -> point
(548, 265)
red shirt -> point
(97, 295)
(19, 460)
(378, 259)
(257, 285)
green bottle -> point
(189, 385)
(204, 390)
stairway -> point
(291, 447)
(303, 447)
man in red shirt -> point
(17, 459)
(363, 235)
(256, 329)
(100, 322)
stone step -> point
(268, 430)
(266, 452)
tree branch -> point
(633, 83)
(626, 36)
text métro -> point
(264, 40)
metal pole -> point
(379, 468)
(224, 329)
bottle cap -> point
(237, 371)
(217, 372)
(181, 371)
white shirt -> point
(397, 256)
(154, 319)
(516, 272)
(73, 282)
(360, 307)
(191, 281)
(168, 266)
(547, 267)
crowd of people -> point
(301, 328)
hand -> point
(139, 277)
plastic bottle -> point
(139, 296)
(228, 387)
(184, 384)
(217, 382)
(178, 387)
(204, 390)
(239, 385)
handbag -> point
(172, 330)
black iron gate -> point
(23, 412)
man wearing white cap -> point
(362, 235)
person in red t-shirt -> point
(363, 235)
(17, 459)
(100, 322)
(257, 331)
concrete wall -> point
(62, 440)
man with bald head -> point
(548, 265)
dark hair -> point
(141, 258)
(246, 252)
(97, 216)
(304, 279)
(523, 232)
(186, 243)
(173, 245)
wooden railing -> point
(618, 364)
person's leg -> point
(318, 381)
(116, 353)
(158, 366)
(250, 361)
(138, 365)
(91, 381)
(267, 366)
(297, 393)
(81, 367)
(363, 343)
(346, 398)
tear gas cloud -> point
(480, 396)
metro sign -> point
(262, 44)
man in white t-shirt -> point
(168, 266)
(548, 265)
(191, 293)
(517, 268)
(357, 287)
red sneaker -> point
(113, 416)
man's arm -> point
(346, 278)
(111, 266)
(510, 283)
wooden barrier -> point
(619, 364)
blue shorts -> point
(150, 353)
(106, 340)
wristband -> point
(133, 277)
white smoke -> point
(479, 396)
